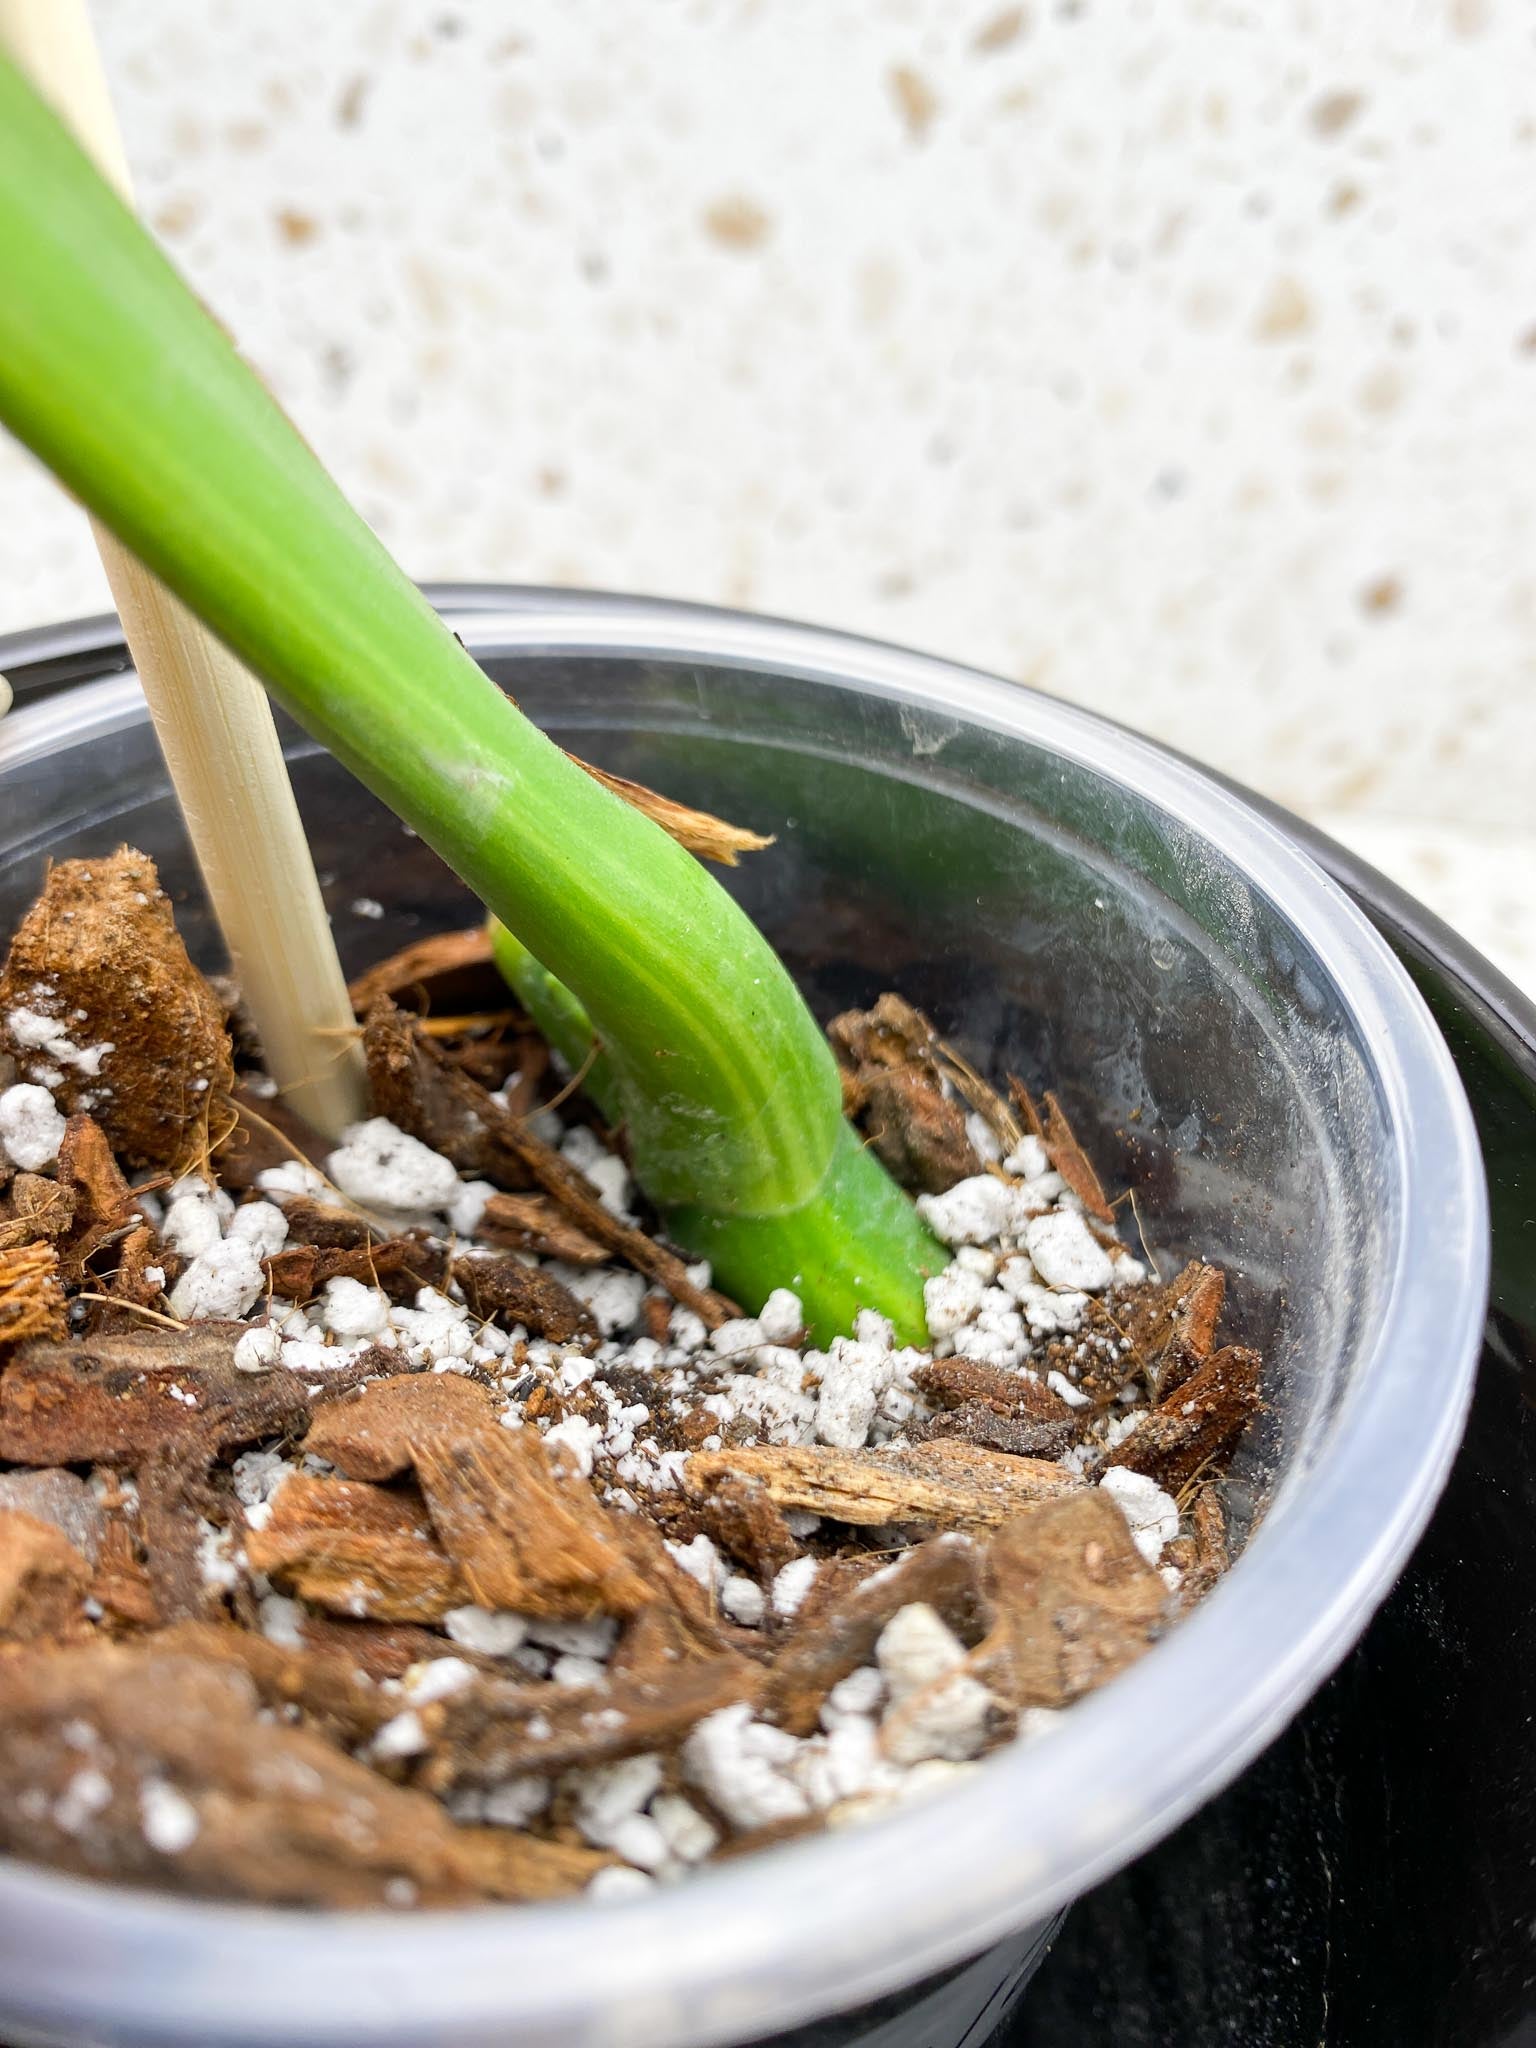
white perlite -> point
(1151, 1514)
(916, 1648)
(781, 1316)
(952, 1299)
(936, 1709)
(792, 1583)
(169, 1820)
(741, 1600)
(224, 1282)
(258, 1349)
(1066, 1253)
(485, 1630)
(31, 1127)
(975, 1211)
(349, 1308)
(261, 1225)
(382, 1166)
(610, 1803)
(86, 1794)
(741, 1767)
(194, 1217)
(32, 1031)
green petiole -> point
(116, 377)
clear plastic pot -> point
(1071, 903)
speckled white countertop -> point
(1178, 356)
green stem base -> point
(857, 1243)
(561, 1018)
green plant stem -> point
(804, 1251)
(561, 1018)
(115, 376)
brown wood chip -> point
(356, 1550)
(492, 1730)
(1196, 1425)
(1212, 1554)
(533, 1223)
(104, 1205)
(524, 1536)
(513, 1293)
(1074, 1601)
(326, 1225)
(132, 1285)
(943, 1484)
(893, 1082)
(119, 1399)
(174, 1500)
(916, 1132)
(402, 1266)
(1073, 1163)
(372, 1433)
(239, 1806)
(836, 1638)
(322, 1683)
(962, 1382)
(1172, 1325)
(975, 1422)
(121, 1586)
(43, 1580)
(375, 1649)
(892, 1034)
(36, 1210)
(509, 1864)
(87, 1167)
(740, 1517)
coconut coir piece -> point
(31, 1296)
(99, 953)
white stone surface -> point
(1179, 358)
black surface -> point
(1372, 1878)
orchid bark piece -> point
(118, 379)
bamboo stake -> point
(214, 723)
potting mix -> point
(405, 1523)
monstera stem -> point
(118, 379)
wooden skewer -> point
(214, 723)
